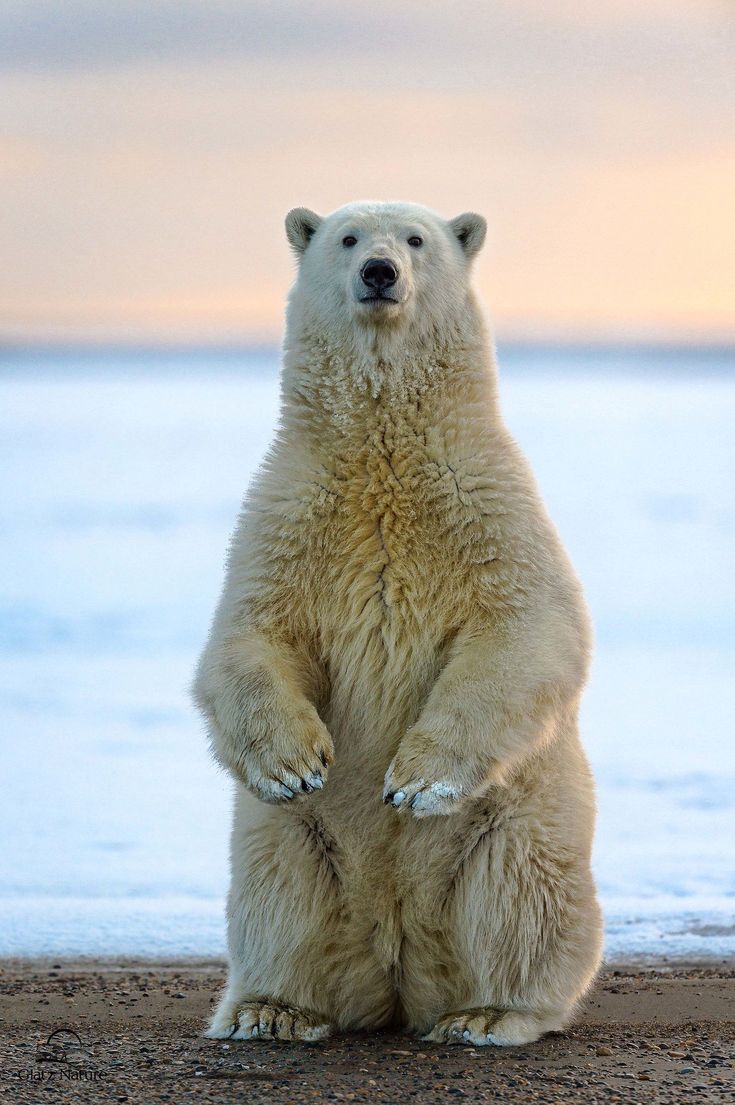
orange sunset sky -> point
(148, 153)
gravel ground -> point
(655, 1035)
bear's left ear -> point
(469, 230)
(301, 224)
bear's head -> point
(374, 274)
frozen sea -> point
(121, 478)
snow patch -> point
(120, 491)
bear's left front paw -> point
(421, 780)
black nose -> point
(379, 273)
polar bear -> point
(394, 672)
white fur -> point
(400, 621)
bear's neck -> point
(331, 392)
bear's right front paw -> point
(288, 767)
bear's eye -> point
(349, 241)
(415, 241)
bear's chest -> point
(399, 540)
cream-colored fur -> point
(394, 672)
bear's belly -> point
(386, 626)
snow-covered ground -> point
(121, 479)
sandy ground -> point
(645, 1035)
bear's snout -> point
(379, 273)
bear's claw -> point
(424, 800)
(488, 1027)
(268, 1020)
(292, 767)
(425, 778)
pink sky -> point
(148, 154)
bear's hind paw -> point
(486, 1026)
(269, 1020)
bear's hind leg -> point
(523, 927)
(301, 957)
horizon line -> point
(14, 347)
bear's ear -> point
(469, 230)
(300, 226)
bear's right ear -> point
(300, 226)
